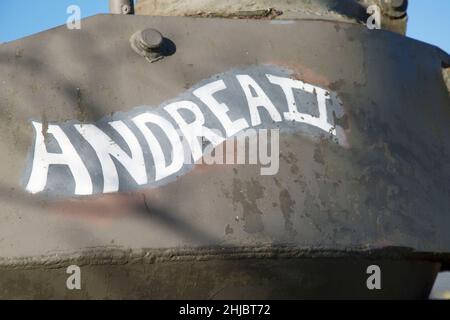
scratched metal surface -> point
(394, 16)
(387, 188)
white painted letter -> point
(261, 100)
(294, 115)
(161, 170)
(194, 129)
(68, 156)
(106, 148)
(220, 110)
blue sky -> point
(428, 19)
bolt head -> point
(151, 38)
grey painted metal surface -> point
(386, 186)
(317, 278)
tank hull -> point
(375, 179)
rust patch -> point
(303, 73)
(104, 209)
(287, 208)
(269, 13)
(343, 121)
(247, 194)
(337, 85)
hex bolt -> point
(148, 43)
